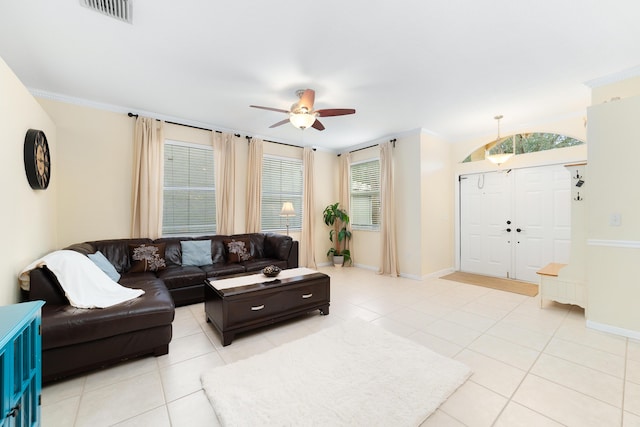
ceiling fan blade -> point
(327, 112)
(317, 125)
(280, 110)
(280, 123)
(307, 99)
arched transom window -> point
(523, 143)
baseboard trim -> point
(438, 274)
(365, 267)
(613, 329)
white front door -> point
(513, 223)
(542, 219)
(485, 209)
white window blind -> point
(282, 181)
(189, 189)
(365, 195)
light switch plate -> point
(615, 219)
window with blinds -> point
(282, 181)
(365, 195)
(189, 205)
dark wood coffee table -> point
(240, 304)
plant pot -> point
(338, 261)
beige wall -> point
(611, 92)
(29, 216)
(614, 251)
(95, 157)
(326, 192)
(437, 215)
(408, 198)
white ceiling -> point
(445, 66)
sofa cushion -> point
(257, 264)
(130, 279)
(64, 325)
(105, 265)
(277, 246)
(218, 250)
(196, 252)
(222, 269)
(147, 257)
(238, 250)
(44, 286)
(172, 250)
(179, 277)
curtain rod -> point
(217, 131)
(393, 141)
(185, 125)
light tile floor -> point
(532, 366)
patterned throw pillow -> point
(238, 250)
(147, 257)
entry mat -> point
(508, 285)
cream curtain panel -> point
(148, 184)
(225, 157)
(344, 189)
(388, 251)
(344, 183)
(307, 241)
(254, 187)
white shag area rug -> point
(351, 374)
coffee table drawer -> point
(303, 295)
(247, 309)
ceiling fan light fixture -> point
(302, 120)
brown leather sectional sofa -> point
(75, 340)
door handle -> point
(508, 230)
(518, 229)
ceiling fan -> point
(302, 115)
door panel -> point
(485, 243)
(542, 213)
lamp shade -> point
(302, 120)
(287, 209)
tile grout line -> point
(528, 372)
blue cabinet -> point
(20, 364)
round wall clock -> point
(37, 160)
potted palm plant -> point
(339, 235)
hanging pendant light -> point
(500, 156)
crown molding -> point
(38, 93)
(613, 78)
(124, 110)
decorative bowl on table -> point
(271, 271)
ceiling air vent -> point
(119, 9)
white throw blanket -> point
(84, 284)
